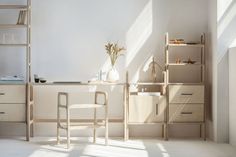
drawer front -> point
(186, 113)
(145, 109)
(186, 94)
(12, 94)
(12, 112)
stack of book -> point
(22, 17)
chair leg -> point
(95, 123)
(106, 123)
(58, 123)
(68, 127)
(58, 132)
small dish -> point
(42, 80)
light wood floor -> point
(83, 147)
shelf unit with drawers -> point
(186, 100)
(15, 95)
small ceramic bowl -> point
(42, 80)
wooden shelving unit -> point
(186, 101)
(15, 114)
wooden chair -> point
(68, 107)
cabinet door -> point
(145, 109)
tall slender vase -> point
(113, 75)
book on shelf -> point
(22, 17)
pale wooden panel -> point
(12, 93)
(186, 113)
(186, 94)
(144, 109)
(12, 112)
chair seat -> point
(81, 106)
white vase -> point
(113, 75)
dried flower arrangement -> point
(114, 51)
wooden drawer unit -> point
(12, 112)
(146, 109)
(186, 113)
(186, 94)
(12, 94)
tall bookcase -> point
(15, 96)
(186, 100)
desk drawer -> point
(186, 113)
(12, 93)
(186, 94)
(12, 112)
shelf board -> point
(184, 64)
(5, 26)
(193, 123)
(145, 123)
(186, 45)
(22, 7)
(148, 83)
(185, 84)
(14, 45)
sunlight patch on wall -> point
(233, 43)
(224, 23)
(139, 32)
(135, 77)
(222, 7)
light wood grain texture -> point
(186, 94)
(145, 109)
(12, 94)
(12, 112)
(186, 113)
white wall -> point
(222, 23)
(232, 100)
(68, 36)
(226, 36)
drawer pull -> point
(2, 93)
(186, 93)
(186, 112)
(2, 112)
(157, 111)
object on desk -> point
(36, 78)
(42, 80)
(11, 78)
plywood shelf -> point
(184, 64)
(185, 45)
(148, 83)
(12, 26)
(14, 45)
(21, 7)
